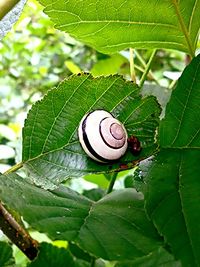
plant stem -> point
(132, 67)
(112, 182)
(18, 235)
(14, 168)
(172, 84)
(6, 6)
(92, 264)
(142, 61)
(183, 27)
(148, 66)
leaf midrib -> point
(183, 27)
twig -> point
(6, 6)
(132, 67)
(14, 168)
(18, 235)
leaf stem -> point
(132, 67)
(14, 168)
(148, 66)
(92, 264)
(112, 182)
(6, 6)
(18, 235)
(183, 27)
(142, 61)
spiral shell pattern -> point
(102, 137)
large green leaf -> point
(181, 126)
(51, 150)
(113, 228)
(6, 257)
(172, 194)
(172, 201)
(110, 26)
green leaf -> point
(161, 93)
(51, 256)
(113, 228)
(6, 257)
(181, 125)
(172, 201)
(109, 65)
(51, 150)
(113, 26)
(172, 194)
(158, 258)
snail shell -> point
(102, 136)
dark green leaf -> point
(172, 201)
(112, 26)
(172, 194)
(113, 228)
(51, 150)
(94, 194)
(51, 256)
(158, 258)
(6, 257)
(78, 252)
(181, 125)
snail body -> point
(102, 137)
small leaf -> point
(113, 26)
(51, 150)
(113, 228)
(6, 257)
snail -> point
(102, 136)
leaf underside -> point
(111, 26)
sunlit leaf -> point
(111, 26)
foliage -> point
(55, 146)
(6, 258)
(158, 225)
(113, 26)
(177, 162)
